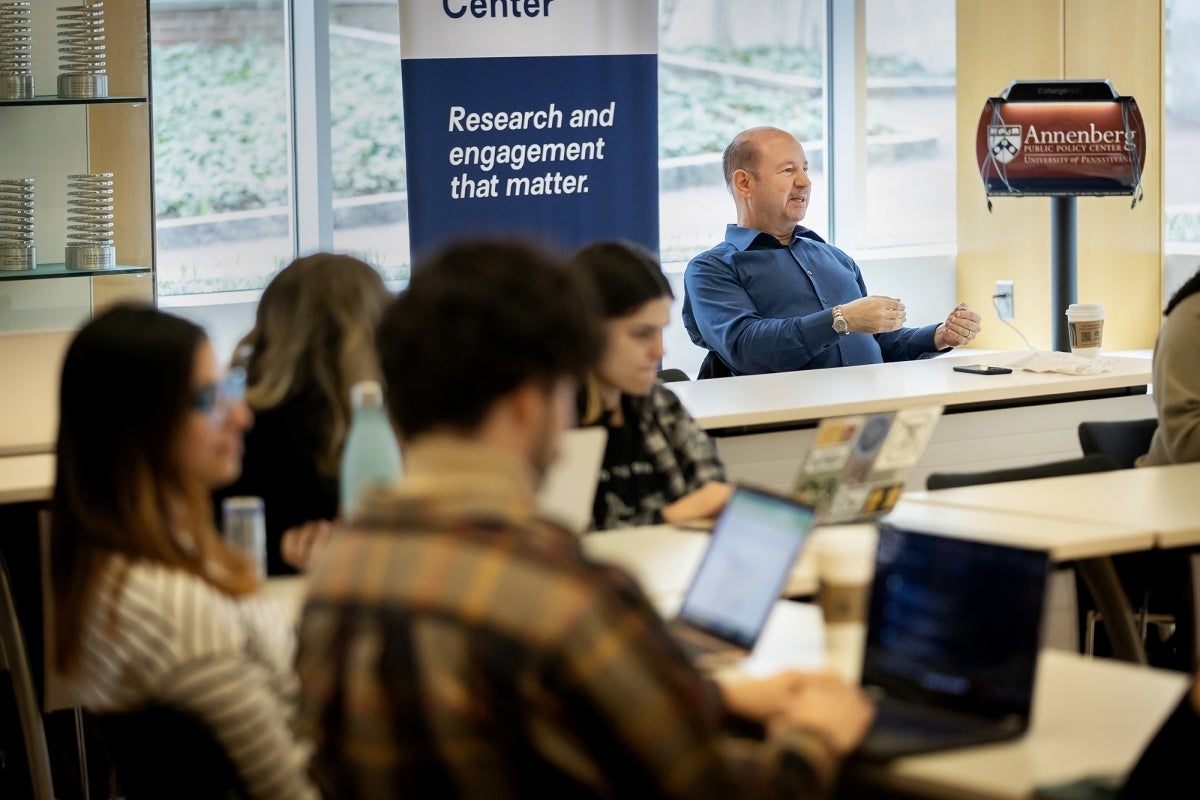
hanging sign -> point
(1061, 138)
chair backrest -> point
(14, 659)
(1121, 440)
(166, 752)
(1073, 466)
(672, 374)
(713, 367)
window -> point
(369, 199)
(230, 215)
(909, 178)
(220, 144)
(721, 70)
(1182, 122)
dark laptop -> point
(754, 544)
(953, 635)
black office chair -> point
(1121, 440)
(1050, 469)
(160, 752)
(1154, 578)
(671, 375)
(713, 367)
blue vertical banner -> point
(532, 118)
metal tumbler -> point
(245, 525)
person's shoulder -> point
(183, 614)
(662, 397)
(719, 253)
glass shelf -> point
(55, 100)
(61, 271)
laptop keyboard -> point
(901, 729)
(913, 722)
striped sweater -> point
(161, 636)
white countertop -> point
(789, 397)
(1064, 538)
(26, 478)
(1162, 501)
(1090, 717)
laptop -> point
(568, 488)
(755, 542)
(953, 635)
(858, 465)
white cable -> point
(995, 304)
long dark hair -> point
(624, 276)
(1189, 288)
(124, 397)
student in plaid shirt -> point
(454, 645)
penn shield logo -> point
(1004, 142)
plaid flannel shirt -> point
(452, 645)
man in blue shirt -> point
(775, 297)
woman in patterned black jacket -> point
(659, 466)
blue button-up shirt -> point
(764, 307)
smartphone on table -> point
(982, 369)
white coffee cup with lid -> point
(1085, 327)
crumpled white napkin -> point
(1061, 363)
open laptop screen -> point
(754, 544)
(955, 623)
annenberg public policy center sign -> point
(1056, 138)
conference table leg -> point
(1101, 579)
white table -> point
(764, 424)
(1064, 538)
(664, 557)
(26, 478)
(1090, 717)
(805, 396)
(1164, 501)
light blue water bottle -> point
(370, 456)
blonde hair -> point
(314, 332)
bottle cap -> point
(366, 393)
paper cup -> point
(845, 556)
(1085, 326)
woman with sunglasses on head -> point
(659, 466)
(313, 339)
(151, 607)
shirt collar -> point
(743, 238)
(446, 480)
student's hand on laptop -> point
(763, 698)
(301, 544)
(704, 503)
(835, 710)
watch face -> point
(839, 325)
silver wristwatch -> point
(839, 322)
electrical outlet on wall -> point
(1003, 300)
